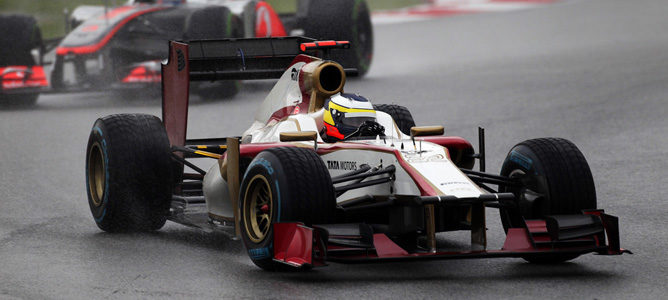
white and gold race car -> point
(326, 176)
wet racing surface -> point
(594, 72)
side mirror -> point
(426, 130)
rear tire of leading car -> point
(400, 114)
(555, 179)
(129, 173)
(285, 184)
(213, 22)
(347, 20)
(20, 35)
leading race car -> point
(121, 47)
(322, 175)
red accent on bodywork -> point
(142, 74)
(329, 148)
(536, 226)
(293, 243)
(115, 12)
(96, 47)
(267, 21)
(18, 77)
(517, 239)
(283, 113)
(251, 150)
(90, 28)
(450, 142)
(306, 94)
(303, 58)
(385, 247)
(322, 45)
(175, 89)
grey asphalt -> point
(592, 71)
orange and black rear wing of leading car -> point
(228, 59)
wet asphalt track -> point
(592, 71)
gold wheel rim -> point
(96, 174)
(257, 209)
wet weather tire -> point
(555, 180)
(285, 184)
(213, 22)
(20, 35)
(401, 115)
(129, 173)
(347, 20)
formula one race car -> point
(322, 175)
(121, 47)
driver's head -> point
(344, 113)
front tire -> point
(555, 180)
(285, 184)
(129, 173)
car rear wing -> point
(228, 59)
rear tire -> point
(556, 175)
(222, 89)
(20, 35)
(347, 20)
(401, 115)
(286, 184)
(129, 173)
(213, 22)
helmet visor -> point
(355, 119)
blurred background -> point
(51, 14)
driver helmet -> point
(343, 115)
